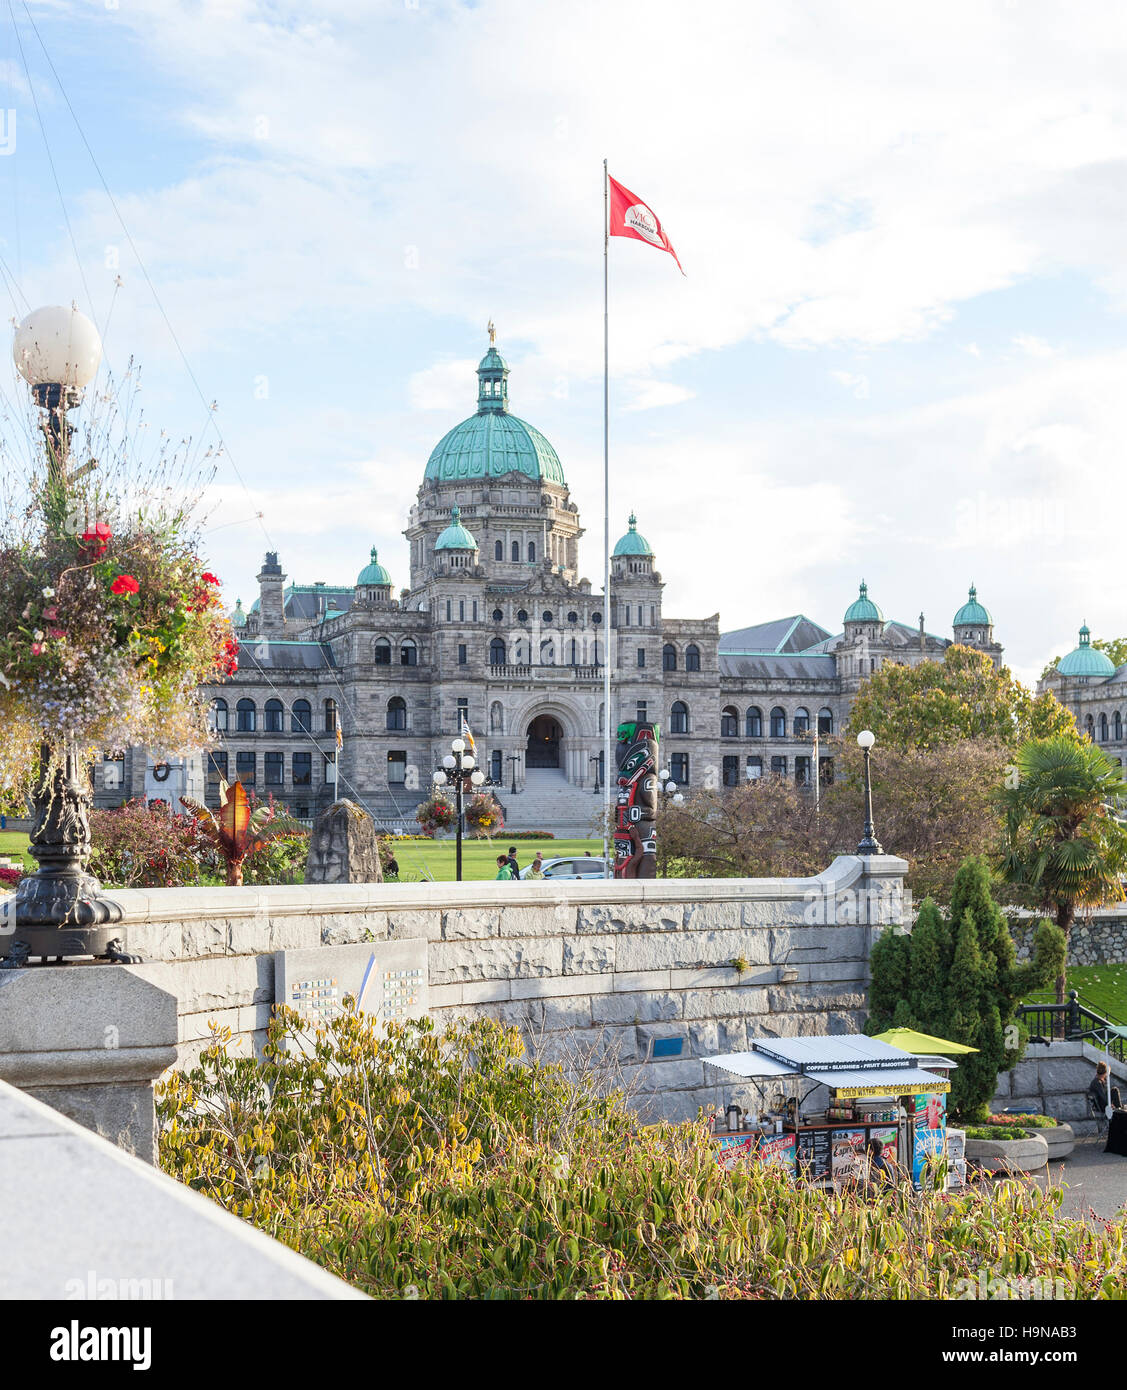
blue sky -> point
(898, 352)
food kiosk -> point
(843, 1092)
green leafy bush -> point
(439, 1164)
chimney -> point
(272, 617)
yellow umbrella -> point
(922, 1044)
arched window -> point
(778, 722)
(825, 721)
(497, 652)
(220, 716)
(408, 653)
(496, 718)
(498, 550)
(669, 657)
(330, 716)
(1117, 725)
(245, 717)
(531, 552)
(801, 722)
(753, 722)
(679, 718)
(547, 652)
(274, 717)
(574, 652)
(516, 550)
(1089, 727)
(381, 652)
(729, 722)
(301, 720)
(692, 658)
(397, 712)
(1103, 728)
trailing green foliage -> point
(427, 1164)
(957, 977)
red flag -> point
(629, 216)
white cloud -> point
(856, 382)
(646, 395)
(1032, 346)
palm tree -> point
(1063, 838)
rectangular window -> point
(779, 767)
(272, 766)
(302, 769)
(641, 656)
(330, 769)
(679, 769)
(462, 712)
(461, 610)
(754, 769)
(461, 653)
(448, 610)
(217, 767)
(826, 770)
(496, 766)
(640, 714)
(475, 610)
(802, 771)
(627, 615)
(245, 768)
(731, 771)
(397, 768)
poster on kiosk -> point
(929, 1126)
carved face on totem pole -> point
(635, 821)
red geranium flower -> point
(96, 540)
(209, 578)
(124, 584)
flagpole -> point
(606, 529)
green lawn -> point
(1102, 986)
(419, 859)
(14, 842)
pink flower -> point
(209, 578)
(124, 584)
(51, 614)
(36, 648)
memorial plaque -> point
(388, 979)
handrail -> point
(1073, 1022)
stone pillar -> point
(271, 597)
(89, 1041)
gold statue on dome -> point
(492, 334)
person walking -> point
(1097, 1089)
(504, 868)
(513, 862)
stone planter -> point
(1060, 1141)
(1010, 1155)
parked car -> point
(574, 868)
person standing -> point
(536, 869)
(504, 868)
(513, 862)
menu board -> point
(929, 1124)
(778, 1149)
(813, 1154)
(847, 1154)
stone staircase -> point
(550, 802)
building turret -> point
(973, 625)
(373, 583)
(271, 598)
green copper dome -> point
(1086, 660)
(972, 612)
(493, 442)
(373, 574)
(632, 543)
(238, 617)
(455, 537)
(863, 609)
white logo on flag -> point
(641, 220)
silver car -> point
(576, 867)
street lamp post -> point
(598, 761)
(460, 770)
(58, 911)
(514, 758)
(669, 793)
(869, 842)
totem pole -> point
(635, 820)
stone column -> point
(89, 1041)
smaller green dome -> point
(632, 543)
(373, 574)
(972, 612)
(1086, 660)
(863, 609)
(238, 617)
(455, 537)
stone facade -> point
(1099, 939)
(498, 627)
(601, 971)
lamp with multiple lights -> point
(459, 770)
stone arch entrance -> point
(544, 737)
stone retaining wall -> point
(1054, 1077)
(596, 968)
(1097, 940)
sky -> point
(897, 353)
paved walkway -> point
(1094, 1181)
